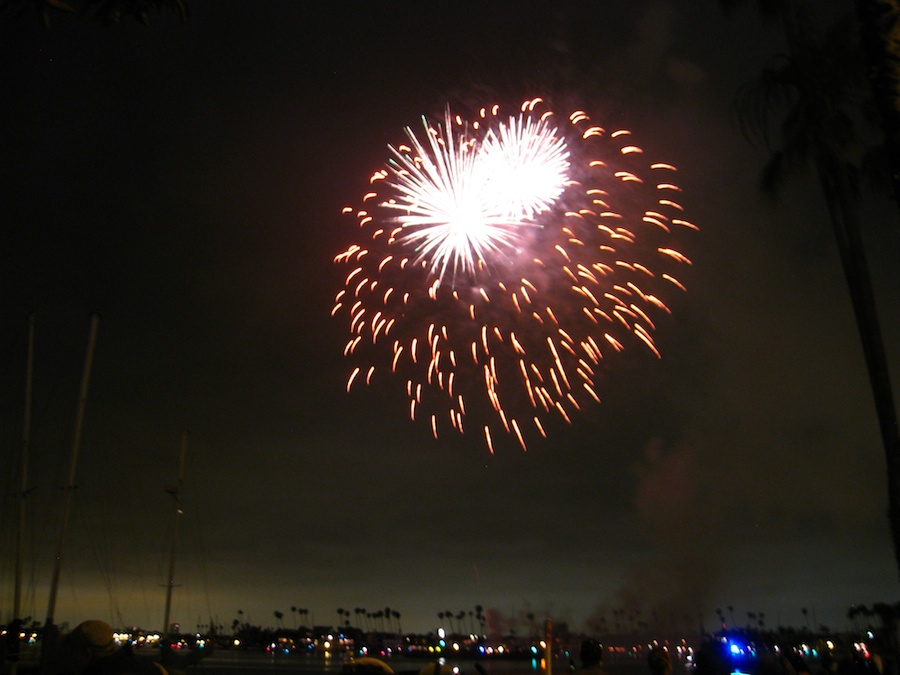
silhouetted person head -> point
(710, 659)
(591, 654)
(773, 664)
(659, 661)
(88, 642)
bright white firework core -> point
(465, 200)
(525, 166)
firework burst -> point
(503, 261)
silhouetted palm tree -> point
(879, 22)
(820, 92)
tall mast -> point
(12, 644)
(179, 511)
(23, 492)
(73, 464)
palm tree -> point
(820, 87)
(879, 23)
(480, 616)
(278, 617)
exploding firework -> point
(503, 261)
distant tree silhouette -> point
(479, 614)
(342, 622)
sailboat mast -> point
(23, 493)
(73, 464)
(179, 511)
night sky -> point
(185, 181)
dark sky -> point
(185, 181)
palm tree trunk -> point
(835, 183)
